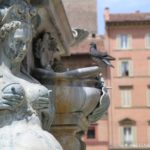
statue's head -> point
(16, 29)
(19, 42)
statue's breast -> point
(13, 88)
(35, 91)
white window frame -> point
(130, 69)
(125, 68)
(133, 131)
(148, 96)
(148, 64)
(148, 132)
(126, 96)
(126, 39)
(147, 41)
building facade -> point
(97, 135)
(128, 40)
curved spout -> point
(76, 73)
(83, 72)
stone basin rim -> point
(72, 74)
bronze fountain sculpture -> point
(23, 99)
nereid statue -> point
(23, 100)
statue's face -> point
(18, 44)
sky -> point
(119, 6)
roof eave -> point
(127, 22)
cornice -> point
(126, 23)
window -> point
(91, 133)
(128, 133)
(127, 136)
(93, 35)
(148, 59)
(148, 133)
(125, 68)
(148, 95)
(124, 41)
(126, 96)
(147, 40)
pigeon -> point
(100, 56)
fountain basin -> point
(73, 91)
(71, 97)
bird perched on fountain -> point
(100, 56)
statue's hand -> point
(11, 101)
(41, 103)
(12, 96)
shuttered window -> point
(125, 68)
(148, 96)
(147, 40)
(128, 135)
(124, 41)
(126, 96)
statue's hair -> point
(8, 27)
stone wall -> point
(82, 14)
